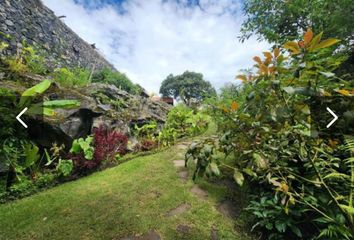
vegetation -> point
(136, 196)
(66, 77)
(281, 21)
(301, 183)
(190, 87)
(120, 80)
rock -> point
(183, 175)
(151, 235)
(200, 193)
(228, 209)
(178, 210)
(184, 229)
(9, 23)
(100, 104)
(179, 163)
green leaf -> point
(326, 43)
(34, 91)
(315, 41)
(296, 230)
(214, 169)
(336, 175)
(327, 74)
(65, 167)
(239, 178)
(32, 155)
(348, 209)
(61, 104)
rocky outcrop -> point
(100, 104)
(34, 23)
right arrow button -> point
(335, 117)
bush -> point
(106, 145)
(77, 77)
(120, 80)
(145, 145)
(302, 185)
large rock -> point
(100, 104)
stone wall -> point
(33, 22)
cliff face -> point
(33, 22)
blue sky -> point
(149, 39)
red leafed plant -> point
(108, 144)
(145, 145)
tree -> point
(278, 21)
(190, 87)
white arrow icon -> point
(19, 119)
(334, 115)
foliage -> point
(104, 146)
(145, 145)
(65, 167)
(281, 21)
(147, 131)
(27, 60)
(83, 146)
(302, 185)
(203, 153)
(116, 78)
(167, 137)
(77, 77)
(190, 87)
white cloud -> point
(153, 39)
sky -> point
(149, 39)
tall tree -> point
(190, 87)
(279, 21)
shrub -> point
(145, 145)
(77, 77)
(106, 145)
(302, 185)
(120, 80)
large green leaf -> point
(31, 154)
(34, 91)
(239, 178)
(61, 104)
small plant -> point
(147, 131)
(203, 153)
(77, 77)
(83, 146)
(120, 80)
(145, 145)
(167, 137)
(65, 167)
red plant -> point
(107, 145)
(145, 145)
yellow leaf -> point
(276, 52)
(257, 59)
(225, 109)
(315, 41)
(326, 43)
(344, 92)
(243, 78)
(234, 106)
(284, 187)
(293, 47)
(263, 69)
(267, 55)
(308, 36)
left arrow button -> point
(18, 117)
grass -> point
(126, 200)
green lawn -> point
(127, 200)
